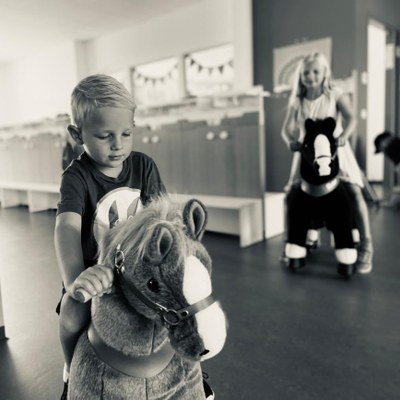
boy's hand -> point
(93, 281)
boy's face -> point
(107, 138)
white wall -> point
(37, 87)
(204, 25)
(40, 86)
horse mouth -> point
(193, 349)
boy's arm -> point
(67, 240)
(154, 185)
(80, 283)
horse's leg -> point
(346, 256)
(298, 211)
(340, 224)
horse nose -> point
(204, 352)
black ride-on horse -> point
(320, 198)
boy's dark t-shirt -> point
(70, 152)
(103, 201)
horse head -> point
(319, 151)
(163, 273)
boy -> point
(388, 144)
(106, 184)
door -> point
(376, 97)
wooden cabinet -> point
(176, 177)
(156, 144)
(247, 160)
(197, 158)
(193, 157)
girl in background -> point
(315, 96)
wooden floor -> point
(309, 335)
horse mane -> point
(136, 233)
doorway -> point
(376, 98)
(383, 94)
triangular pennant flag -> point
(221, 69)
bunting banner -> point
(200, 67)
(154, 80)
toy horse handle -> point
(296, 146)
(82, 295)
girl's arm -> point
(290, 131)
(349, 121)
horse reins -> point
(145, 366)
(320, 190)
(332, 157)
(170, 317)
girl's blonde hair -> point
(299, 91)
(96, 91)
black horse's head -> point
(319, 162)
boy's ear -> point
(75, 133)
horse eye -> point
(153, 285)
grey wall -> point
(279, 23)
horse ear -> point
(330, 124)
(113, 215)
(159, 245)
(195, 218)
(309, 125)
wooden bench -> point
(37, 196)
(232, 215)
(274, 214)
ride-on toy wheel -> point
(345, 270)
(296, 263)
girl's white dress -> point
(322, 107)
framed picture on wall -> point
(156, 83)
(209, 72)
(286, 59)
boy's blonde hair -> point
(96, 91)
(299, 90)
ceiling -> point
(29, 26)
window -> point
(210, 72)
(156, 83)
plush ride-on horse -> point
(146, 339)
(321, 198)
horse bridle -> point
(170, 317)
(331, 157)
